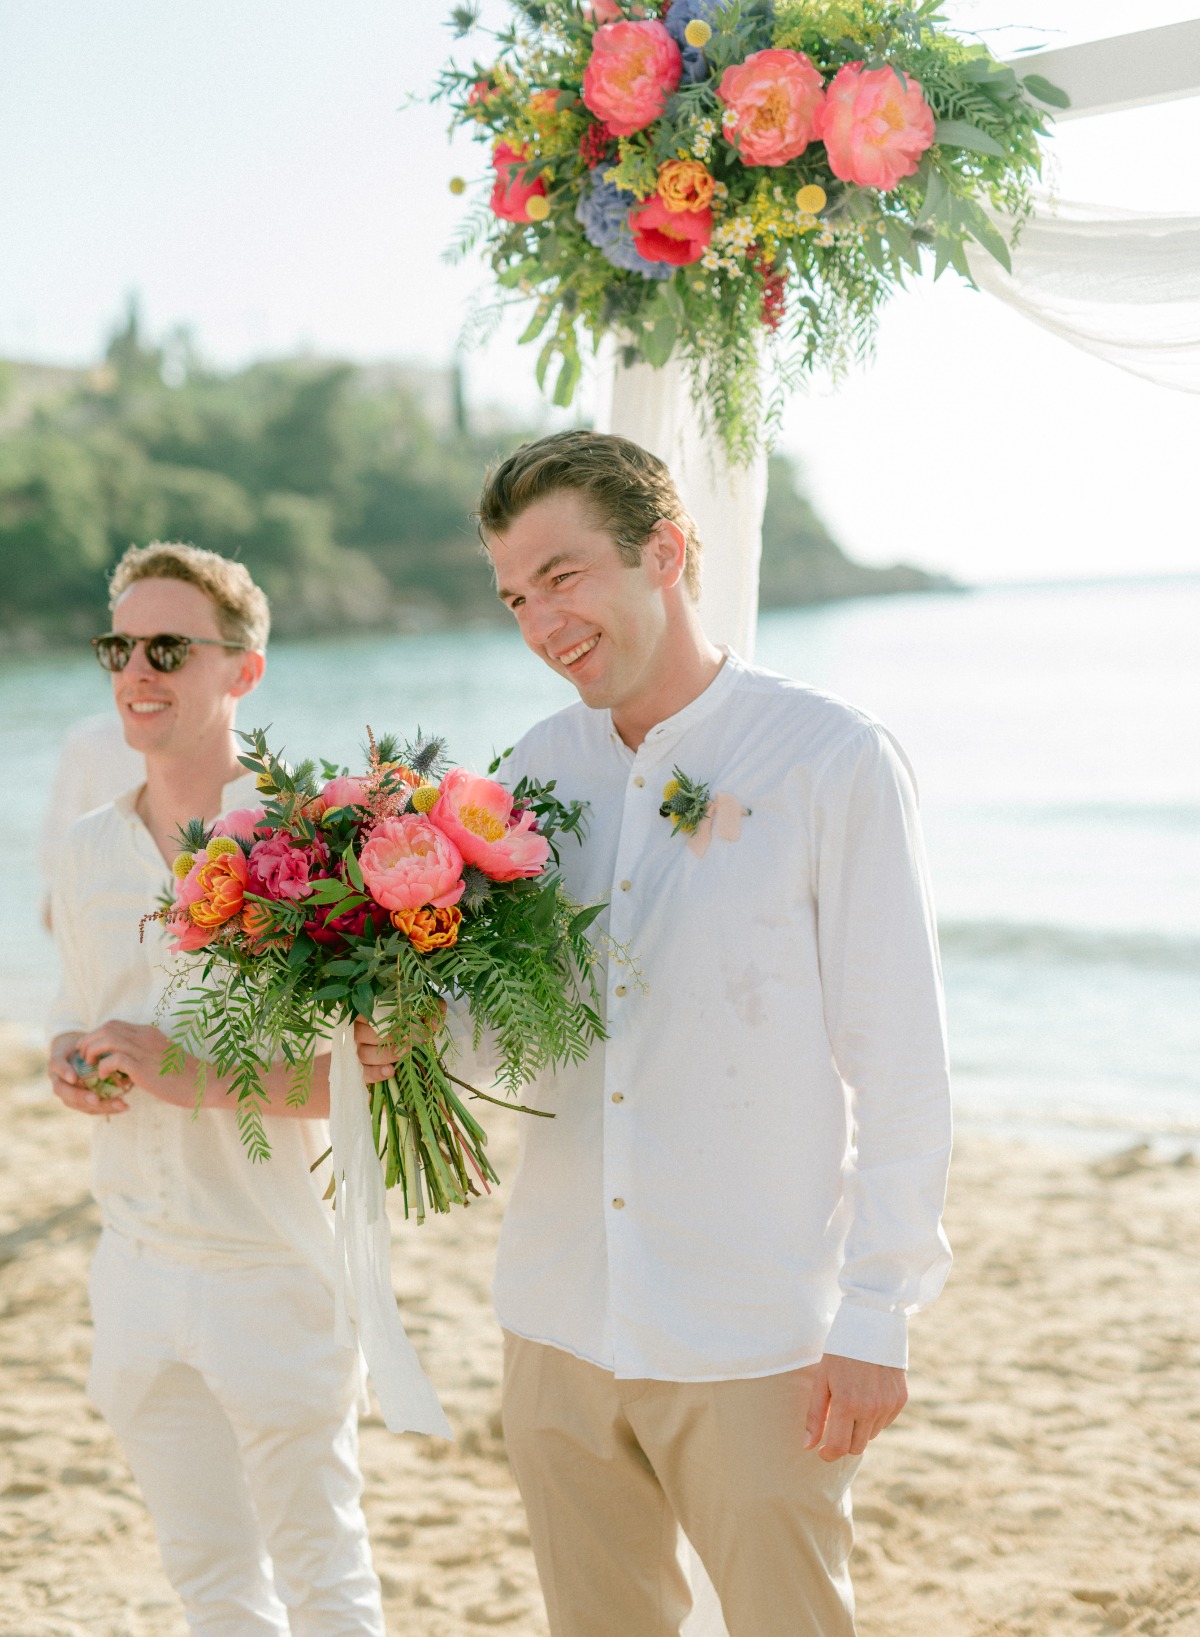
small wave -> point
(1072, 945)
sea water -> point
(1055, 736)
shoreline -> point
(1041, 1483)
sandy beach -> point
(1044, 1481)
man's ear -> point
(667, 551)
(251, 673)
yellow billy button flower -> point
(671, 789)
(458, 184)
(697, 33)
(219, 845)
(537, 208)
(425, 797)
(811, 199)
(182, 866)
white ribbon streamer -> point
(365, 1302)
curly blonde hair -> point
(243, 613)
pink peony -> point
(343, 792)
(409, 862)
(633, 69)
(772, 106)
(874, 129)
(477, 814)
(512, 193)
(601, 11)
(674, 236)
(240, 824)
(281, 868)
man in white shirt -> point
(214, 1356)
(710, 1253)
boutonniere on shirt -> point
(692, 808)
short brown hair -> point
(627, 488)
(243, 614)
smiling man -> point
(214, 1358)
(711, 1252)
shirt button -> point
(619, 991)
(625, 885)
(618, 1096)
(639, 781)
(618, 1204)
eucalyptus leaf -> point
(658, 340)
(1045, 91)
(959, 133)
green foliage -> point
(331, 483)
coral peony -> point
(685, 184)
(428, 928)
(478, 816)
(240, 824)
(512, 191)
(601, 11)
(281, 868)
(772, 103)
(633, 69)
(409, 862)
(675, 236)
(874, 128)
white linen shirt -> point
(751, 1170)
(164, 1177)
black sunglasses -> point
(166, 652)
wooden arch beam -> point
(1127, 71)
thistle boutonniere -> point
(686, 802)
(692, 808)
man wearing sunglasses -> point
(214, 1357)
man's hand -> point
(852, 1402)
(379, 1054)
(136, 1051)
(67, 1086)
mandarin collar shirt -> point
(175, 1181)
(750, 1170)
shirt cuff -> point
(871, 1334)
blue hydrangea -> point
(603, 212)
(695, 66)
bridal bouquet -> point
(384, 896)
(698, 176)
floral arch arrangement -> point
(706, 177)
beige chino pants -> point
(610, 1470)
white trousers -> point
(238, 1413)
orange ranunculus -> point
(256, 922)
(685, 184)
(428, 929)
(222, 884)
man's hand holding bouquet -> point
(384, 897)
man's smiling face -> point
(591, 616)
(167, 713)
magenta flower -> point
(283, 868)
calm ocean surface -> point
(1055, 735)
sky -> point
(260, 173)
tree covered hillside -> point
(346, 497)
